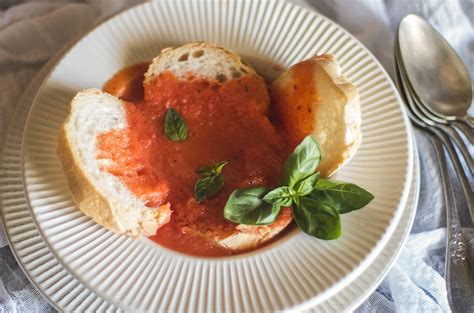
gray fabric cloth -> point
(17, 294)
(32, 31)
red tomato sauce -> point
(225, 123)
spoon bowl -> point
(434, 70)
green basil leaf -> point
(246, 206)
(205, 171)
(175, 127)
(217, 168)
(281, 196)
(306, 185)
(207, 187)
(302, 162)
(211, 181)
(344, 197)
(317, 219)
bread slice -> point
(214, 63)
(99, 194)
(206, 61)
(313, 97)
(247, 237)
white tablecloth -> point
(32, 31)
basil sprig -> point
(211, 181)
(316, 202)
(175, 127)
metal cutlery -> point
(419, 108)
(459, 272)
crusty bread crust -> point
(202, 60)
(86, 196)
(333, 110)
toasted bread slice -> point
(99, 194)
(206, 61)
(313, 97)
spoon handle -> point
(459, 267)
(469, 120)
(468, 158)
(466, 187)
(466, 128)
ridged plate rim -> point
(375, 251)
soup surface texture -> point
(224, 124)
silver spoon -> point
(427, 118)
(417, 117)
(436, 72)
(459, 268)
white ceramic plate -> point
(32, 252)
(296, 271)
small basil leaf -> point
(207, 187)
(175, 127)
(317, 219)
(302, 162)
(246, 206)
(281, 196)
(217, 168)
(344, 197)
(306, 185)
(205, 171)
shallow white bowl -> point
(296, 271)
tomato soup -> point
(225, 123)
